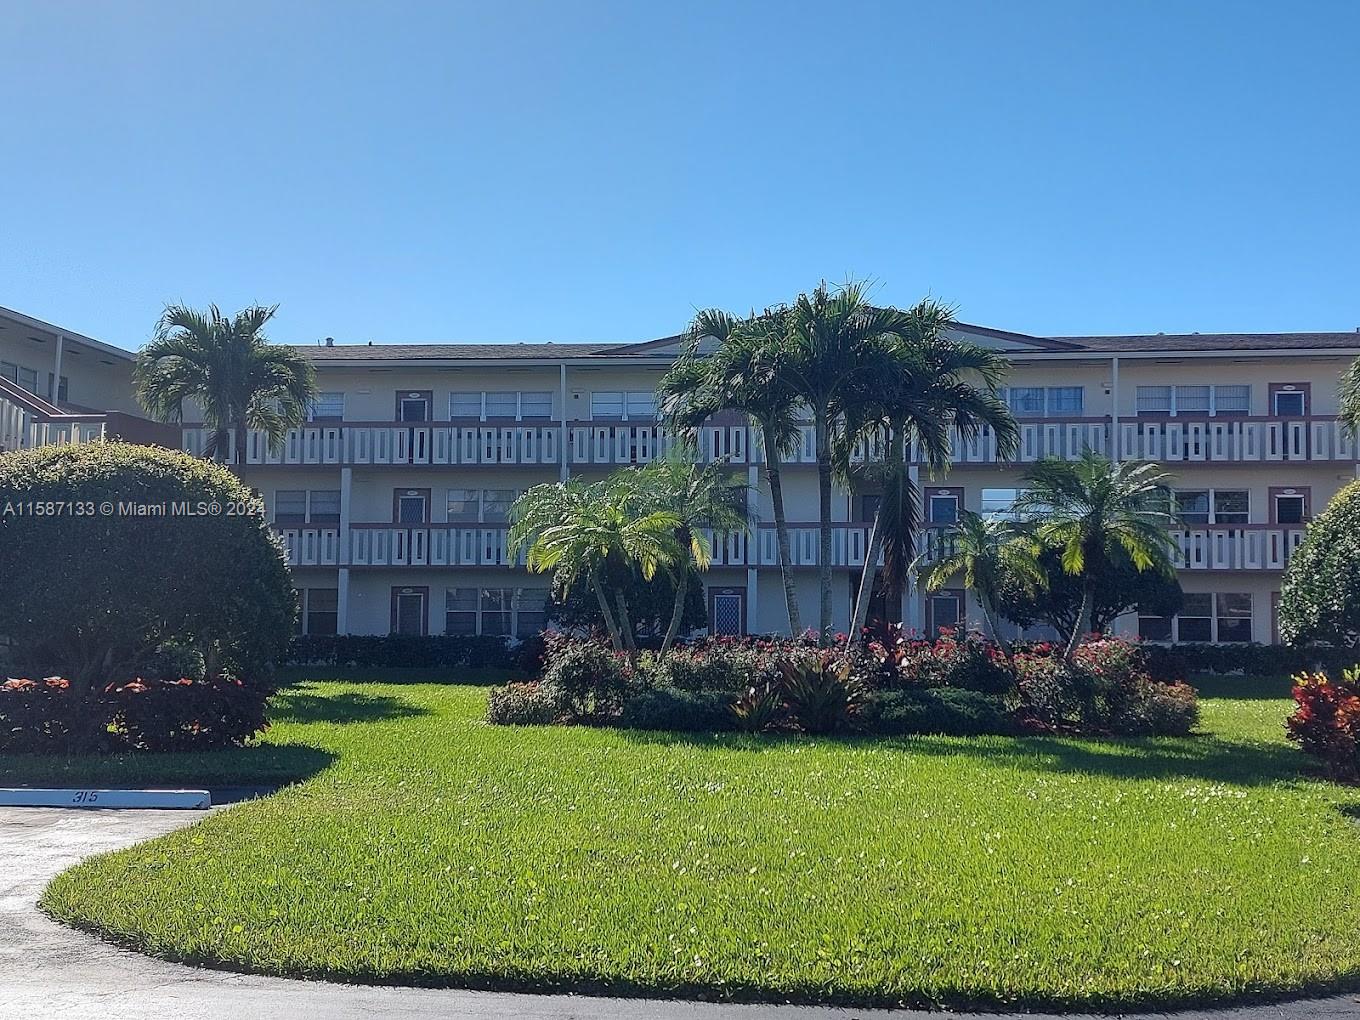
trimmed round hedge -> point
(111, 552)
(1320, 593)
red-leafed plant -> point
(1326, 721)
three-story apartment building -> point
(392, 501)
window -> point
(1026, 400)
(535, 404)
(496, 504)
(1154, 628)
(290, 506)
(324, 506)
(460, 611)
(1233, 617)
(496, 610)
(62, 390)
(1195, 620)
(1231, 506)
(465, 405)
(323, 610)
(1192, 506)
(641, 404)
(1213, 506)
(1066, 400)
(9, 370)
(465, 505)
(1000, 503)
(606, 404)
(1232, 399)
(327, 407)
(530, 611)
(502, 404)
(28, 379)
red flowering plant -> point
(1326, 721)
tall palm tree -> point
(1348, 395)
(702, 498)
(1091, 511)
(593, 532)
(985, 552)
(934, 389)
(837, 343)
(229, 369)
(740, 374)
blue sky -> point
(595, 171)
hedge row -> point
(398, 650)
(1168, 662)
(51, 716)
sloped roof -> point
(447, 351)
(1215, 342)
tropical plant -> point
(935, 387)
(986, 553)
(1320, 593)
(651, 604)
(593, 532)
(1093, 512)
(1348, 397)
(703, 499)
(758, 708)
(821, 692)
(228, 369)
(729, 363)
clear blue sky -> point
(594, 171)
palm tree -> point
(739, 374)
(702, 498)
(1348, 395)
(1092, 511)
(837, 344)
(936, 388)
(229, 369)
(593, 532)
(986, 552)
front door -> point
(414, 405)
(944, 610)
(411, 506)
(1289, 506)
(727, 612)
(1289, 400)
(408, 610)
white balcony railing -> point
(27, 421)
(1240, 547)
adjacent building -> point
(392, 501)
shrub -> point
(174, 661)
(759, 708)
(521, 704)
(1320, 592)
(941, 710)
(968, 663)
(1158, 710)
(728, 668)
(820, 693)
(88, 590)
(669, 708)
(55, 716)
(1326, 722)
(586, 679)
(1176, 662)
(435, 651)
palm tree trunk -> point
(824, 525)
(626, 625)
(681, 590)
(866, 580)
(781, 532)
(1083, 627)
(994, 625)
(241, 433)
(610, 625)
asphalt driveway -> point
(48, 970)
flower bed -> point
(954, 685)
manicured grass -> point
(435, 849)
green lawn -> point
(430, 848)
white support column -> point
(342, 602)
(346, 486)
(56, 370)
(563, 450)
(1114, 452)
(752, 547)
(914, 608)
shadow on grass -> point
(1204, 758)
(260, 765)
(350, 707)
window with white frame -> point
(606, 405)
(1213, 506)
(535, 404)
(63, 388)
(327, 407)
(640, 404)
(1000, 503)
(502, 611)
(323, 506)
(465, 405)
(1232, 617)
(1228, 399)
(290, 506)
(1037, 401)
(1195, 621)
(502, 403)
(321, 610)
(1223, 617)
(465, 505)
(496, 504)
